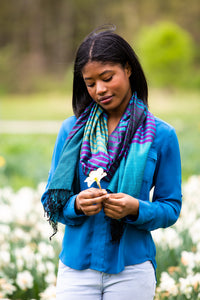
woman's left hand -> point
(120, 205)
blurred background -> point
(38, 41)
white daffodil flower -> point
(95, 176)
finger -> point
(111, 214)
(116, 195)
(93, 193)
(92, 210)
(92, 201)
(96, 192)
(113, 211)
(109, 202)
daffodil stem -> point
(99, 186)
(98, 183)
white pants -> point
(136, 282)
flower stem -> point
(98, 183)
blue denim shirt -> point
(87, 241)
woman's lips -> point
(105, 100)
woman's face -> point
(108, 84)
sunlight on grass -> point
(35, 107)
(181, 110)
(177, 103)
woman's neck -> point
(112, 123)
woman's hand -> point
(120, 205)
(90, 201)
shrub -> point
(167, 53)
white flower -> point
(167, 238)
(186, 286)
(46, 250)
(188, 260)
(19, 234)
(4, 258)
(26, 255)
(95, 176)
(22, 203)
(24, 280)
(168, 284)
(20, 264)
(49, 293)
(50, 278)
(6, 214)
(6, 287)
(50, 266)
(41, 268)
(194, 231)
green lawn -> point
(35, 107)
(28, 157)
(183, 112)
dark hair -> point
(105, 47)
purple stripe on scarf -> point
(143, 138)
(143, 134)
(137, 125)
(112, 147)
(94, 163)
(104, 157)
(141, 143)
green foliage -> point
(181, 110)
(166, 52)
(28, 159)
(38, 39)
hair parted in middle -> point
(106, 47)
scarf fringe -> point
(56, 200)
(117, 229)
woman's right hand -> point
(90, 201)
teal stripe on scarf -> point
(96, 131)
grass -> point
(52, 106)
(28, 157)
(181, 110)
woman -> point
(107, 251)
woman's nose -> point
(100, 87)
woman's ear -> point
(128, 69)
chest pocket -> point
(149, 173)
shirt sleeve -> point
(164, 209)
(68, 215)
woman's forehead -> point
(99, 67)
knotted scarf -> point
(122, 155)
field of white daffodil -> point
(28, 260)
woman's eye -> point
(90, 85)
(108, 79)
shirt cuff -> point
(144, 206)
(69, 210)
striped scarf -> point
(122, 155)
(100, 150)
